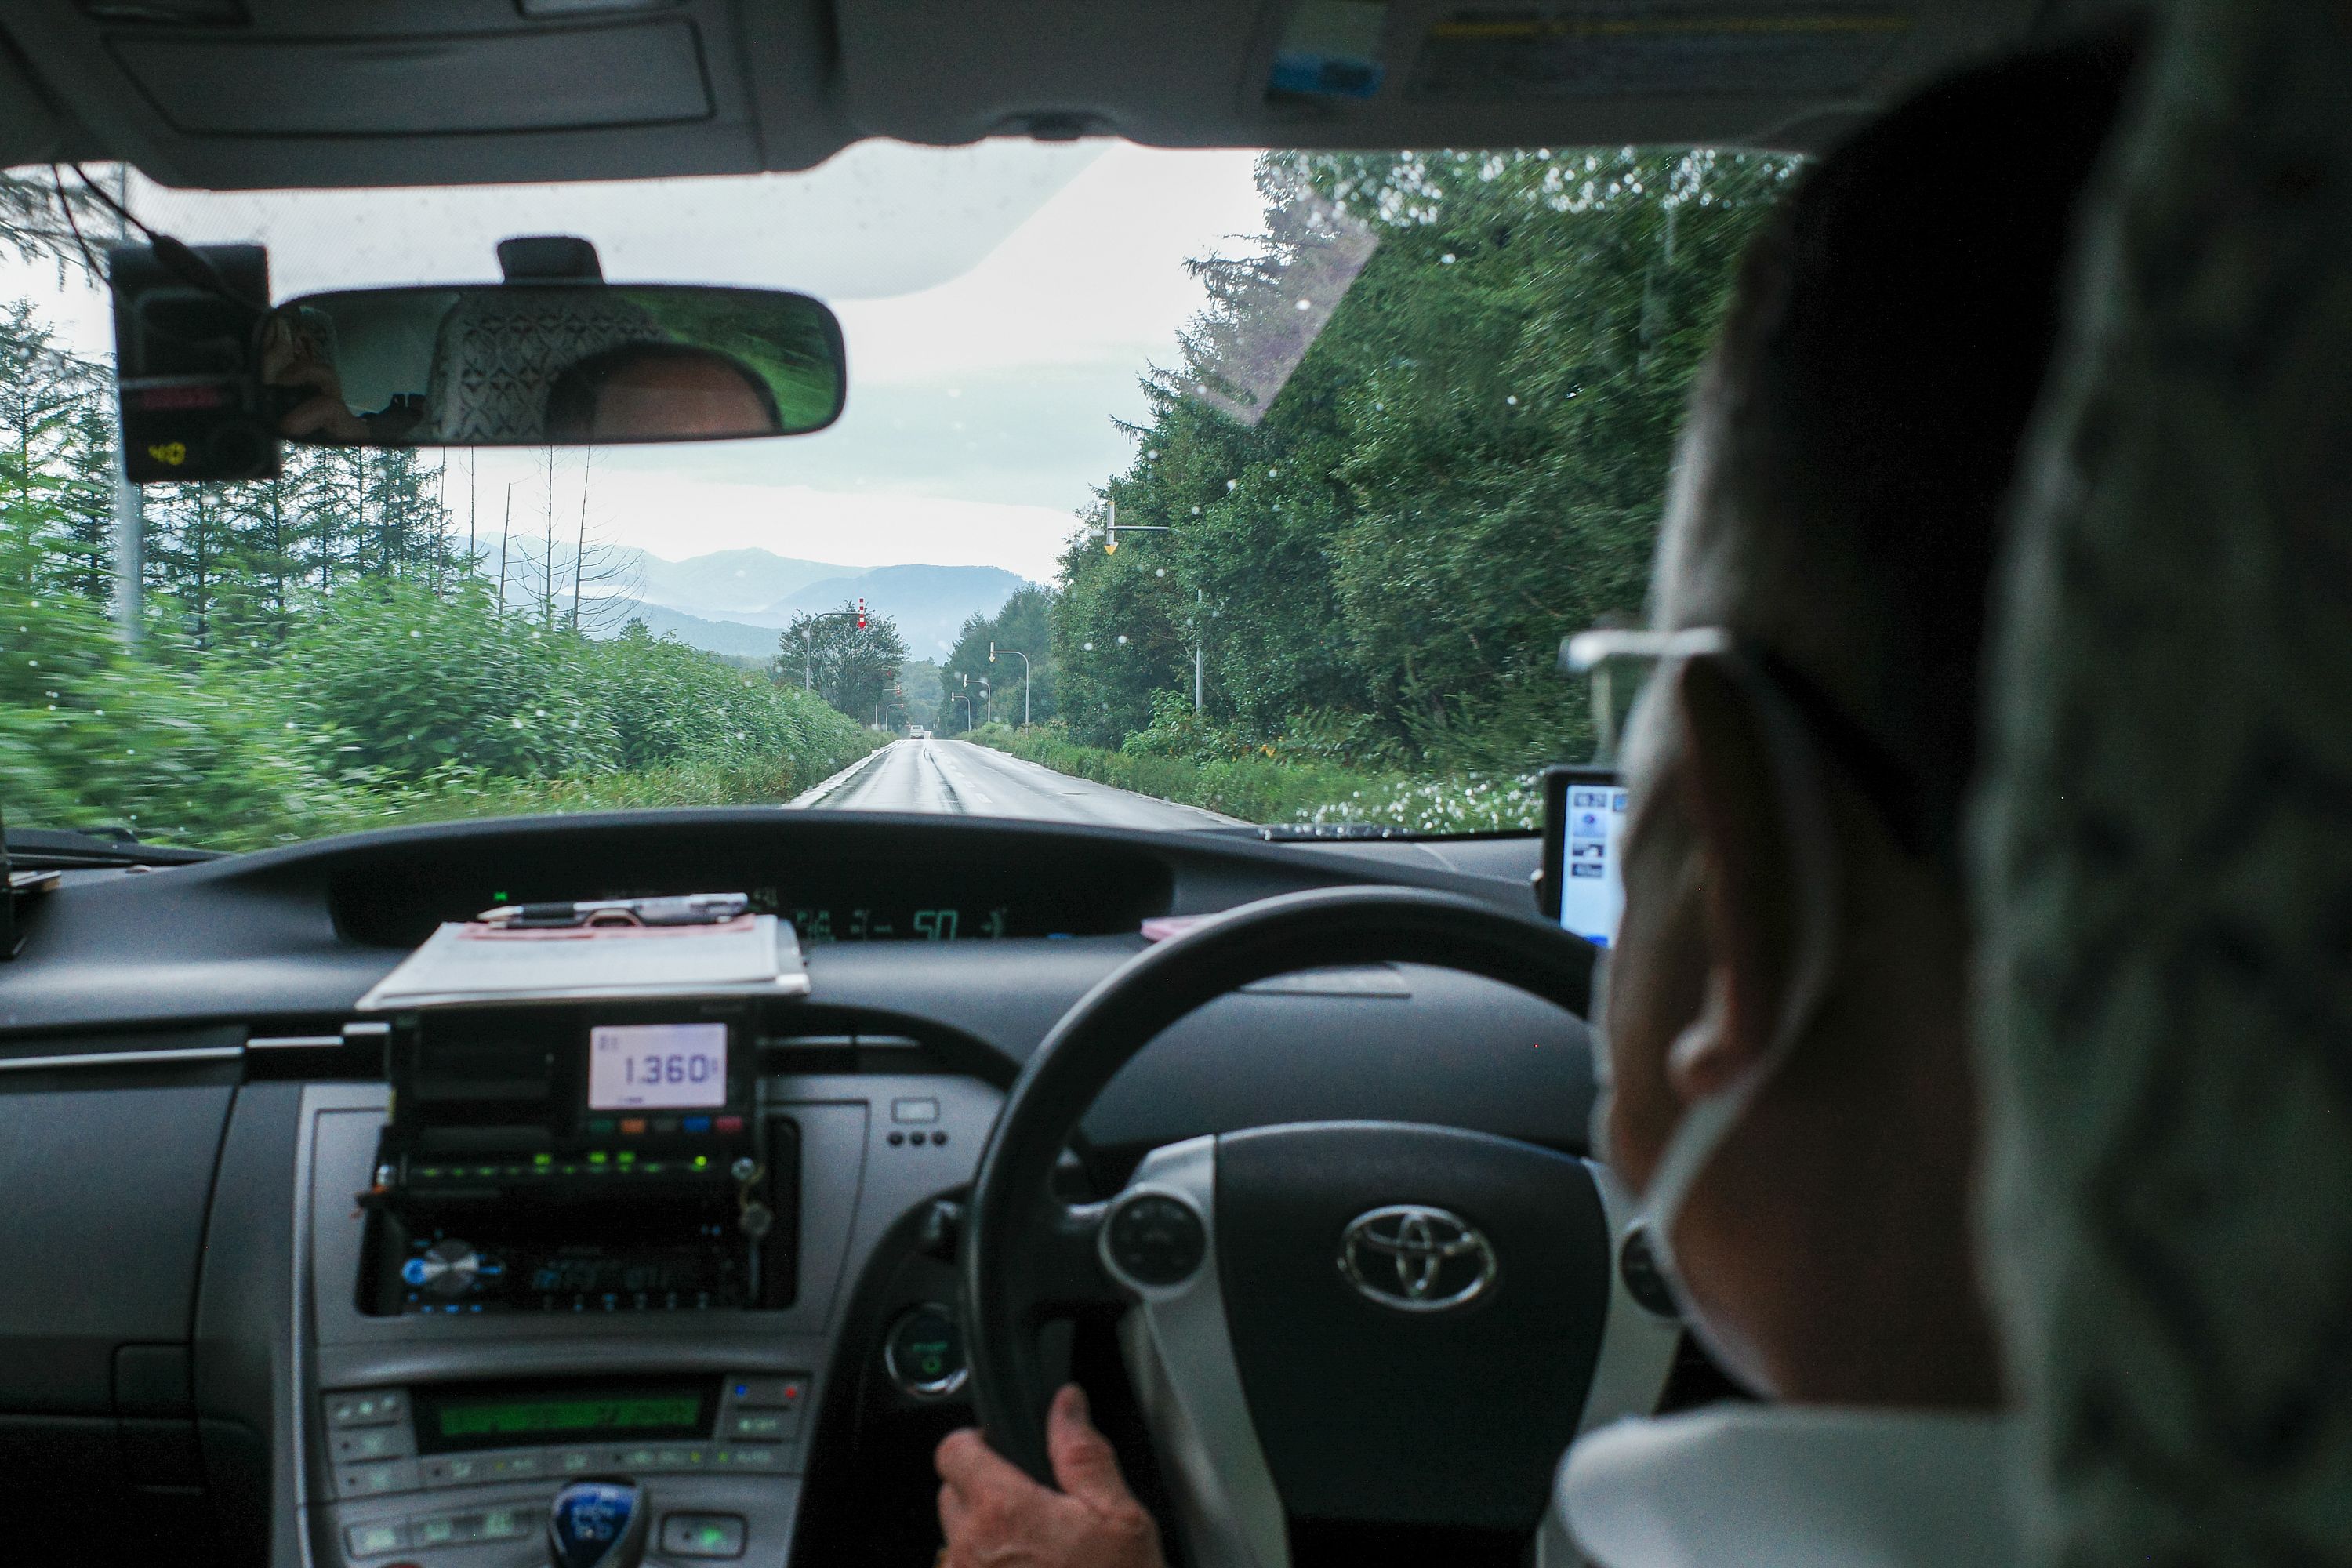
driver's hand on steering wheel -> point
(995, 1516)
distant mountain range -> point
(723, 583)
(736, 601)
(730, 638)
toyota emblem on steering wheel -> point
(1416, 1258)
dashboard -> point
(284, 1283)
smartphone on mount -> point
(1578, 883)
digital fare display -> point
(665, 1067)
(453, 1422)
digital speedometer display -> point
(660, 1067)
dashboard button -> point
(374, 1409)
(768, 1392)
(456, 1470)
(372, 1443)
(446, 1530)
(914, 1111)
(377, 1479)
(763, 1425)
(703, 1535)
(510, 1523)
(375, 1540)
(749, 1458)
(576, 1461)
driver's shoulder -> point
(1794, 1487)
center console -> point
(563, 1246)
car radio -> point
(561, 1159)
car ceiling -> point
(253, 94)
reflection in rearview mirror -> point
(571, 364)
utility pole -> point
(130, 556)
(994, 650)
(130, 504)
(506, 542)
(1200, 634)
(808, 662)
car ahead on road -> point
(1279, 1131)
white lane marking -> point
(968, 795)
(817, 792)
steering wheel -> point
(1350, 1321)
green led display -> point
(526, 1418)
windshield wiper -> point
(63, 849)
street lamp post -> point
(993, 651)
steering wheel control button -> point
(702, 1535)
(1416, 1258)
(923, 1351)
(1154, 1239)
(1637, 1264)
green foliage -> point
(1023, 622)
(319, 656)
(1467, 465)
(855, 666)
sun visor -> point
(646, 73)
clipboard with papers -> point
(708, 946)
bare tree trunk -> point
(580, 544)
(506, 542)
(547, 563)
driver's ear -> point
(1729, 792)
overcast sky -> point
(999, 302)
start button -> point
(924, 1351)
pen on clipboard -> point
(688, 909)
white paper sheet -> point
(470, 965)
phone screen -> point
(1592, 894)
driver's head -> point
(659, 392)
(1835, 507)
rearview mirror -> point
(540, 363)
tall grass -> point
(1265, 789)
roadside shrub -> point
(1260, 787)
(92, 738)
(412, 683)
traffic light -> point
(861, 615)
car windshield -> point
(1266, 484)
